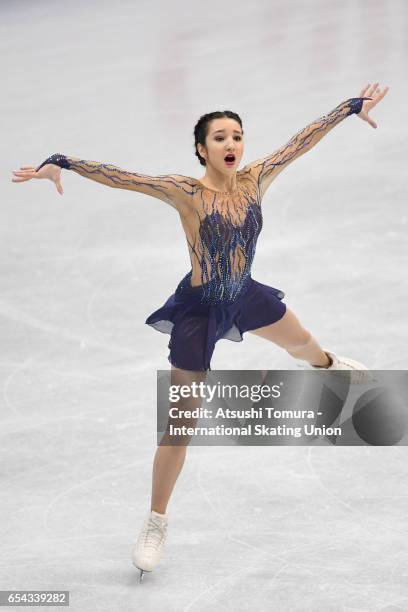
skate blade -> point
(142, 572)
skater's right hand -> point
(49, 171)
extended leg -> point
(168, 461)
(292, 336)
(289, 334)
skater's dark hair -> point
(200, 130)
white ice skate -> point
(150, 543)
(350, 369)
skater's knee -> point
(175, 445)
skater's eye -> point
(236, 138)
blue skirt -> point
(195, 327)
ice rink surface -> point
(250, 529)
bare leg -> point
(169, 460)
(298, 342)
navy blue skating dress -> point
(218, 298)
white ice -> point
(250, 529)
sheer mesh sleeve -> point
(171, 188)
(266, 169)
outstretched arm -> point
(170, 188)
(266, 169)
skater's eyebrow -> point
(216, 131)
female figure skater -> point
(221, 216)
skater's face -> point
(224, 137)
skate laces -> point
(153, 534)
(357, 376)
(354, 376)
(361, 376)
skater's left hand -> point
(370, 91)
